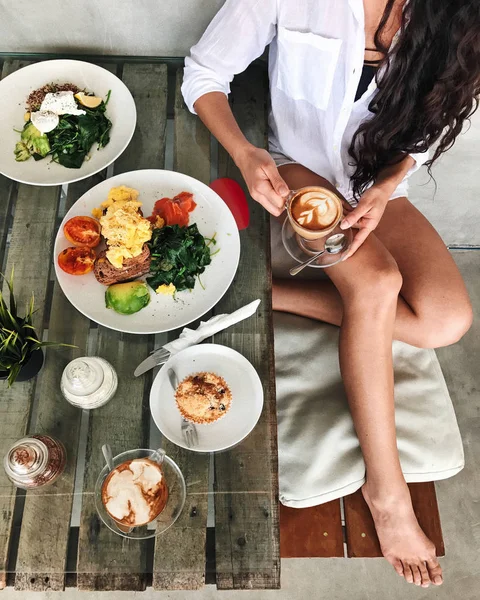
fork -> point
(189, 431)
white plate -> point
(14, 91)
(163, 313)
(243, 381)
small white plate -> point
(241, 378)
(164, 313)
(14, 91)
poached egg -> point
(53, 105)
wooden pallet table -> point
(39, 547)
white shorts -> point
(282, 159)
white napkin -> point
(190, 337)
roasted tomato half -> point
(82, 231)
(77, 261)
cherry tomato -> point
(78, 260)
(82, 231)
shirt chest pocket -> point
(306, 66)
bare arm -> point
(390, 177)
(261, 175)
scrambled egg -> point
(167, 290)
(159, 222)
(123, 227)
(97, 213)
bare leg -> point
(368, 286)
(433, 308)
(366, 364)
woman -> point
(359, 92)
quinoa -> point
(36, 97)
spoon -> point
(333, 245)
(108, 455)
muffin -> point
(203, 398)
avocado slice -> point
(127, 298)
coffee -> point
(314, 212)
(135, 492)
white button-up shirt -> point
(315, 63)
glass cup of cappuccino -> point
(142, 496)
(314, 212)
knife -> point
(190, 337)
(150, 362)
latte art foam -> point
(314, 210)
(135, 492)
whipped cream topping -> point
(313, 210)
(131, 493)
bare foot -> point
(402, 541)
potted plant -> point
(21, 355)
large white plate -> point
(14, 91)
(243, 381)
(163, 313)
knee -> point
(447, 328)
(380, 285)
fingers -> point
(355, 215)
(267, 204)
(358, 240)
(278, 184)
(264, 193)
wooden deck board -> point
(314, 532)
(183, 565)
(32, 236)
(246, 477)
(16, 405)
(107, 561)
(41, 565)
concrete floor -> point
(374, 579)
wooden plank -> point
(7, 194)
(192, 139)
(8, 187)
(41, 565)
(30, 252)
(183, 566)
(148, 84)
(362, 540)
(12, 65)
(314, 532)
(361, 537)
(246, 477)
(107, 561)
(15, 407)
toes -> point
(417, 577)
(424, 573)
(407, 572)
(397, 565)
(435, 571)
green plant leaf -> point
(13, 374)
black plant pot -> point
(30, 368)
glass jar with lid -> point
(89, 382)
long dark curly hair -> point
(430, 86)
